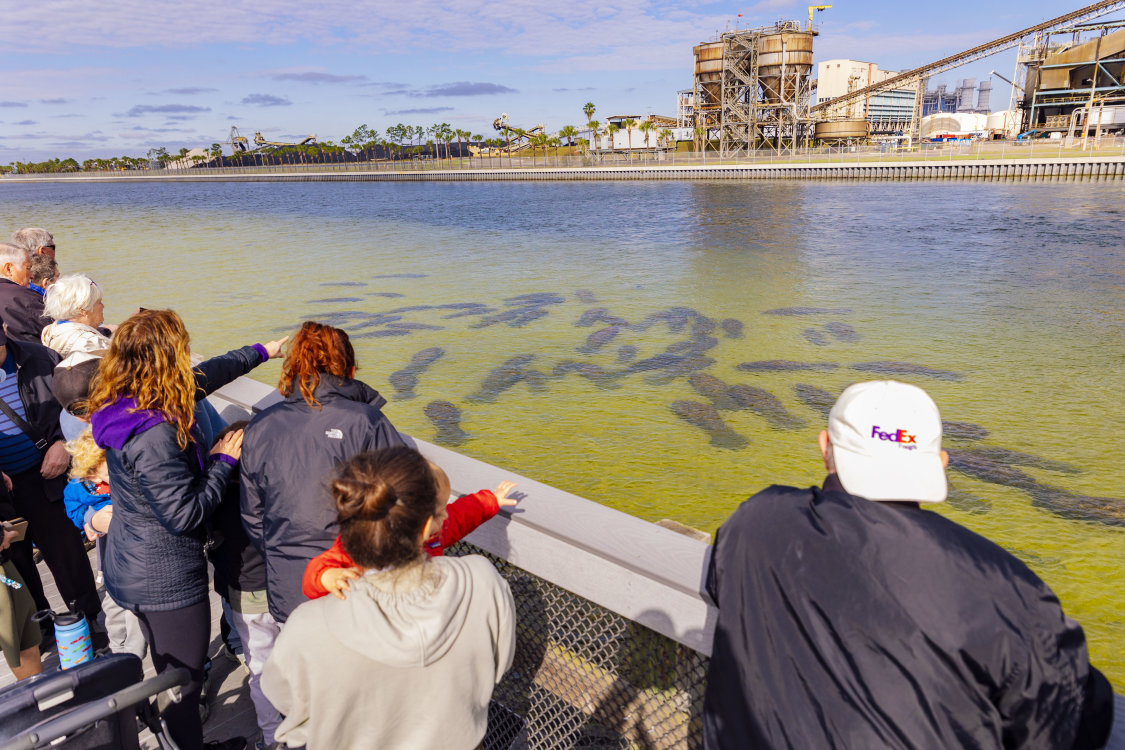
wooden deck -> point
(232, 713)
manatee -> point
(954, 430)
(815, 337)
(427, 356)
(387, 295)
(842, 332)
(536, 380)
(1106, 510)
(415, 326)
(598, 339)
(586, 297)
(591, 316)
(817, 399)
(596, 374)
(536, 298)
(466, 313)
(382, 333)
(679, 347)
(447, 419)
(766, 405)
(331, 300)
(703, 326)
(683, 366)
(343, 283)
(404, 382)
(710, 387)
(1008, 456)
(784, 365)
(966, 502)
(706, 418)
(625, 353)
(732, 328)
(526, 317)
(657, 362)
(808, 311)
(990, 470)
(400, 276)
(501, 317)
(907, 368)
(502, 378)
(378, 319)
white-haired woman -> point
(74, 302)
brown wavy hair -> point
(315, 349)
(149, 360)
(383, 499)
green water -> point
(1019, 287)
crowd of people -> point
(849, 615)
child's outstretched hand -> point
(335, 580)
(501, 493)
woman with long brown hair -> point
(410, 657)
(165, 487)
(290, 453)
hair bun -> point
(360, 500)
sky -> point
(117, 78)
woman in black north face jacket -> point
(291, 451)
(165, 487)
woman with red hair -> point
(289, 457)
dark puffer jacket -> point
(288, 456)
(21, 309)
(162, 496)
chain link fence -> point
(585, 677)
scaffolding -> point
(761, 99)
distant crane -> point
(261, 142)
(502, 125)
(817, 8)
(237, 141)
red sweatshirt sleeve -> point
(335, 557)
(465, 514)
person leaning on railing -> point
(165, 488)
(410, 658)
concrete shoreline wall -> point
(1091, 168)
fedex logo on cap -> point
(898, 436)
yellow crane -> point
(816, 7)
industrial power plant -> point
(754, 88)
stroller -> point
(93, 706)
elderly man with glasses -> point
(21, 309)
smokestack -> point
(965, 94)
(984, 93)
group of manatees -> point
(688, 358)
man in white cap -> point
(851, 617)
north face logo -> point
(334, 433)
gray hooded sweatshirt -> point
(408, 660)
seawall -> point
(1094, 168)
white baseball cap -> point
(886, 442)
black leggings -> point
(179, 638)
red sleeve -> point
(335, 557)
(467, 513)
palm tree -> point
(593, 125)
(569, 132)
(628, 124)
(665, 136)
(647, 127)
(541, 139)
(700, 134)
(612, 129)
(589, 109)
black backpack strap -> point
(40, 442)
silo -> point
(785, 60)
(965, 95)
(708, 73)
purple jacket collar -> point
(115, 424)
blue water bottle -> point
(72, 636)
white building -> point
(835, 78)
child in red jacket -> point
(330, 571)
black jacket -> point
(35, 368)
(162, 497)
(288, 456)
(21, 310)
(846, 623)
